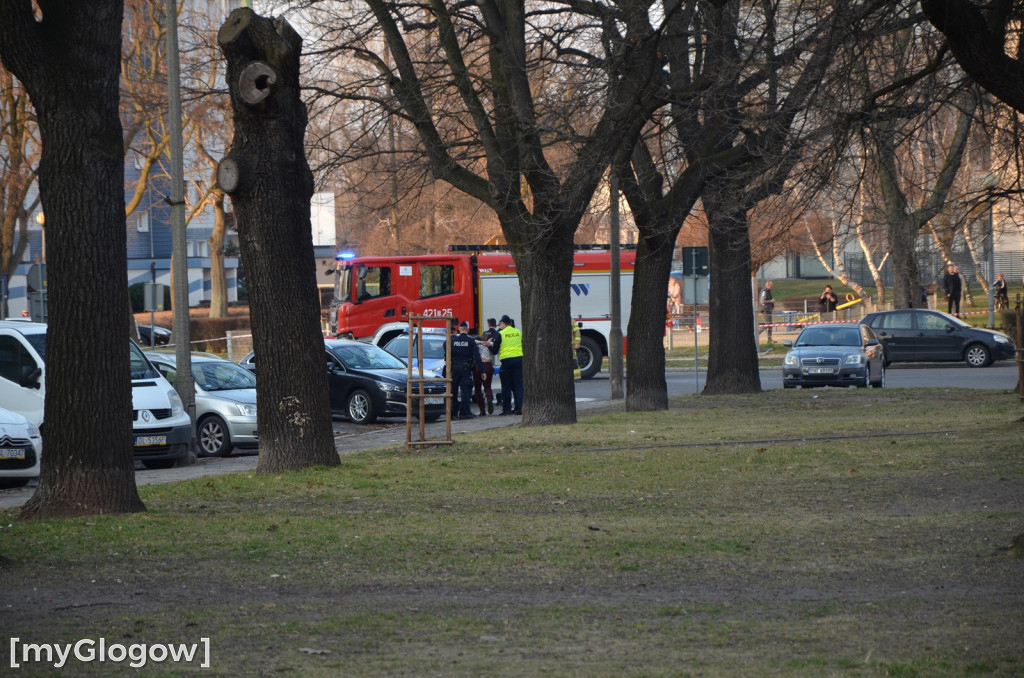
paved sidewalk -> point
(246, 461)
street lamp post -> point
(989, 182)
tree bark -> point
(732, 353)
(646, 388)
(218, 283)
(545, 272)
(271, 185)
(70, 64)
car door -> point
(339, 383)
(22, 380)
(896, 331)
(938, 337)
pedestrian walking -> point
(767, 307)
(954, 289)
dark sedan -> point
(834, 355)
(920, 335)
(153, 335)
(367, 382)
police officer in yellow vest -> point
(508, 346)
(576, 374)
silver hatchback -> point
(225, 401)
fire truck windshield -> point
(343, 284)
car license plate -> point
(820, 370)
(433, 401)
(142, 441)
(11, 453)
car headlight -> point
(1000, 339)
(33, 430)
(246, 410)
(790, 360)
(176, 407)
(856, 359)
(388, 387)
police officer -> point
(508, 346)
(465, 356)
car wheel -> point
(881, 378)
(589, 357)
(360, 408)
(977, 355)
(155, 464)
(214, 439)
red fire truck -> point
(374, 296)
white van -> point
(162, 430)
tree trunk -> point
(545, 272)
(218, 283)
(906, 285)
(646, 389)
(89, 465)
(271, 185)
(732, 357)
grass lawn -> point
(807, 533)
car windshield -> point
(433, 347)
(140, 367)
(366, 356)
(829, 336)
(222, 376)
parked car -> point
(367, 382)
(21, 448)
(161, 427)
(921, 335)
(834, 355)
(434, 350)
(153, 335)
(225, 401)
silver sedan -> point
(225, 401)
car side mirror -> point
(788, 343)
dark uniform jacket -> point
(465, 354)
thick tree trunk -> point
(732, 355)
(88, 466)
(646, 389)
(271, 185)
(906, 285)
(545, 272)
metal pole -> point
(184, 384)
(991, 265)
(615, 333)
(696, 317)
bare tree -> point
(472, 81)
(271, 185)
(985, 41)
(68, 58)
(19, 159)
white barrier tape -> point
(802, 323)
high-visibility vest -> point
(511, 343)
